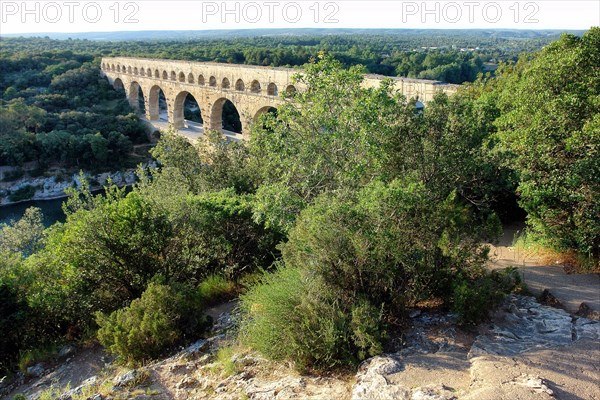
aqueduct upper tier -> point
(252, 89)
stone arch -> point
(255, 86)
(157, 73)
(173, 76)
(118, 84)
(181, 77)
(225, 83)
(190, 78)
(142, 72)
(129, 69)
(263, 110)
(224, 115)
(186, 105)
(272, 89)
(149, 72)
(239, 85)
(290, 90)
(135, 100)
(201, 79)
(212, 81)
(165, 75)
(118, 67)
(155, 100)
(136, 71)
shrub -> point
(215, 289)
(293, 315)
(553, 140)
(352, 260)
(226, 360)
(391, 244)
(13, 175)
(162, 317)
(473, 299)
(13, 318)
(24, 193)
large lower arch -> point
(186, 107)
(136, 98)
(264, 110)
(118, 85)
(225, 115)
(157, 103)
(261, 111)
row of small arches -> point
(255, 87)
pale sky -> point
(111, 15)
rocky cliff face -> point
(45, 188)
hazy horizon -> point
(241, 33)
(79, 17)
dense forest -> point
(56, 109)
(346, 208)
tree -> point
(212, 164)
(550, 128)
(338, 134)
(25, 236)
(334, 134)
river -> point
(52, 210)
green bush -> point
(14, 313)
(215, 289)
(24, 193)
(352, 260)
(473, 299)
(293, 315)
(392, 244)
(162, 317)
(13, 175)
(552, 140)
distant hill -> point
(235, 33)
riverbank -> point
(53, 187)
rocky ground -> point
(527, 351)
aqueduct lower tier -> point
(252, 89)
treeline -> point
(55, 109)
(355, 204)
(454, 58)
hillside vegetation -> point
(347, 207)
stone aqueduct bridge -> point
(252, 89)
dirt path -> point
(72, 371)
(570, 290)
